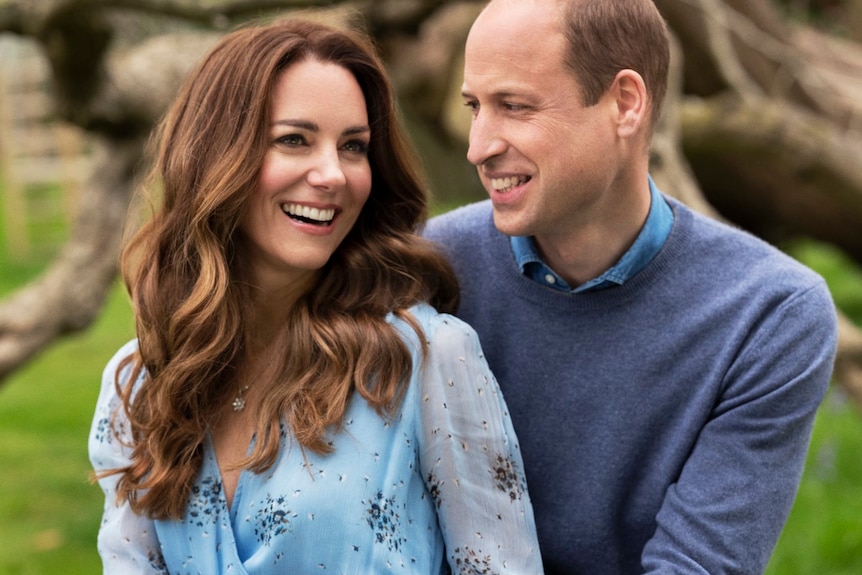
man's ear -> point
(632, 102)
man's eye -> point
(472, 105)
(513, 107)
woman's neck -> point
(270, 307)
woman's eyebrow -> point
(304, 124)
(313, 127)
(357, 130)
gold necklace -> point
(239, 402)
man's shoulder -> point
(465, 223)
(727, 250)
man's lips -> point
(505, 184)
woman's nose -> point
(327, 173)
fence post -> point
(43, 161)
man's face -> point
(544, 158)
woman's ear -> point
(632, 105)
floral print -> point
(469, 561)
(102, 430)
(273, 519)
(434, 489)
(203, 500)
(384, 520)
(444, 473)
(508, 478)
(156, 561)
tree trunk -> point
(806, 175)
(854, 19)
(69, 295)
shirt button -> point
(550, 279)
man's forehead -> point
(516, 21)
(517, 39)
(545, 9)
(532, 4)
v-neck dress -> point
(437, 486)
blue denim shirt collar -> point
(648, 243)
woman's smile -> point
(315, 177)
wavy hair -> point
(180, 269)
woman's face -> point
(315, 176)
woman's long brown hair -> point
(181, 271)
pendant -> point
(239, 402)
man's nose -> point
(485, 140)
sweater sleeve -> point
(470, 458)
(127, 542)
(727, 509)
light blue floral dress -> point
(439, 486)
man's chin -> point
(507, 223)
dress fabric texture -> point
(437, 486)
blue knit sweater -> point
(663, 423)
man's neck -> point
(587, 250)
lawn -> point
(824, 533)
(49, 512)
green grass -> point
(49, 512)
(824, 533)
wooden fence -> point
(43, 162)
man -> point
(662, 370)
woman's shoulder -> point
(441, 330)
(118, 369)
(126, 350)
(428, 317)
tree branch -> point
(717, 17)
(69, 295)
(806, 172)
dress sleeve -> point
(127, 542)
(470, 459)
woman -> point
(293, 402)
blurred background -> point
(762, 128)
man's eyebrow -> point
(499, 95)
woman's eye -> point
(356, 147)
(291, 140)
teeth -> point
(309, 213)
(506, 184)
